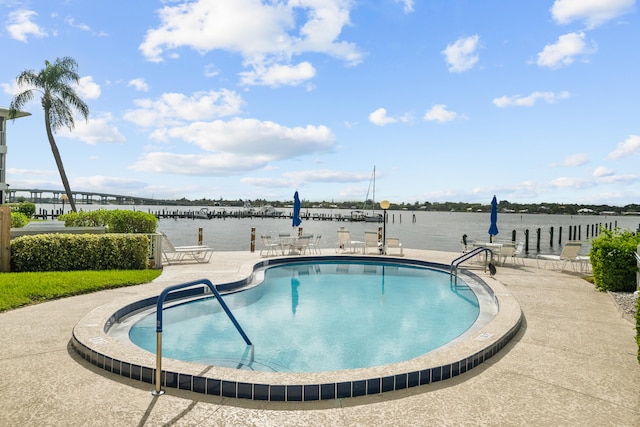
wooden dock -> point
(213, 214)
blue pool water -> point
(320, 316)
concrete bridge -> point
(35, 195)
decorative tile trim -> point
(288, 392)
(294, 393)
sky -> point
(534, 101)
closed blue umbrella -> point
(296, 210)
(493, 228)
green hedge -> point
(613, 260)
(115, 221)
(68, 252)
(26, 208)
(638, 328)
(18, 220)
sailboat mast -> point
(373, 177)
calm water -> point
(430, 230)
(296, 319)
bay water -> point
(416, 229)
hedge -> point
(26, 208)
(638, 328)
(18, 220)
(613, 260)
(115, 221)
(67, 252)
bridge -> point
(87, 197)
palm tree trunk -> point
(56, 156)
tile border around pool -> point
(97, 351)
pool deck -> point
(574, 362)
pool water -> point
(320, 316)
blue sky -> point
(532, 100)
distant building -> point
(4, 116)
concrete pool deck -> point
(574, 362)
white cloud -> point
(94, 130)
(234, 147)
(380, 118)
(575, 160)
(252, 137)
(326, 175)
(602, 171)
(177, 108)
(565, 50)
(265, 34)
(592, 12)
(210, 70)
(439, 113)
(267, 182)
(87, 89)
(277, 75)
(626, 148)
(20, 25)
(34, 172)
(567, 182)
(601, 176)
(461, 55)
(530, 100)
(71, 22)
(100, 183)
(11, 88)
(223, 164)
(139, 84)
(308, 177)
(407, 5)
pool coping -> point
(93, 344)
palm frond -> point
(59, 100)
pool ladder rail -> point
(163, 295)
(466, 256)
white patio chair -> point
(506, 252)
(314, 245)
(519, 254)
(300, 245)
(346, 244)
(371, 241)
(394, 243)
(178, 254)
(268, 245)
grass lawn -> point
(20, 289)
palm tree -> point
(58, 100)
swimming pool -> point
(483, 340)
(319, 316)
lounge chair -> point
(569, 255)
(268, 246)
(346, 244)
(371, 241)
(179, 254)
(393, 243)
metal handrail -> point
(160, 302)
(462, 258)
